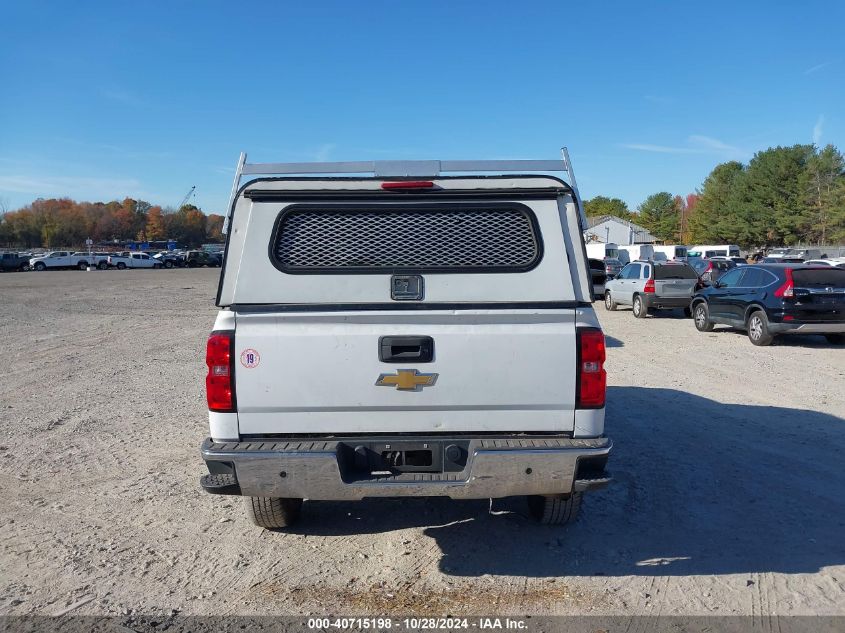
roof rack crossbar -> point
(416, 168)
(402, 169)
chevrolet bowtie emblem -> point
(407, 380)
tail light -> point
(649, 287)
(591, 376)
(787, 290)
(220, 381)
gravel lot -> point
(729, 499)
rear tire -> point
(701, 317)
(82, 265)
(835, 339)
(609, 303)
(640, 311)
(553, 510)
(121, 265)
(273, 513)
(168, 264)
(40, 266)
(758, 329)
(102, 265)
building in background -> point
(610, 229)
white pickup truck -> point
(133, 260)
(65, 259)
(405, 333)
(57, 260)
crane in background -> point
(186, 198)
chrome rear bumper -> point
(495, 467)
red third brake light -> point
(591, 376)
(649, 287)
(787, 290)
(219, 383)
(408, 184)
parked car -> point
(785, 259)
(768, 300)
(647, 286)
(133, 260)
(170, 260)
(710, 270)
(13, 261)
(838, 262)
(807, 253)
(102, 260)
(778, 253)
(612, 267)
(194, 259)
(599, 276)
(84, 260)
(59, 259)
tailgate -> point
(491, 370)
(674, 287)
(674, 280)
(819, 295)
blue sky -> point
(145, 99)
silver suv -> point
(647, 286)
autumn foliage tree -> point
(62, 222)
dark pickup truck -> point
(13, 261)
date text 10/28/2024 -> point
(417, 624)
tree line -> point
(63, 222)
(783, 196)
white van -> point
(599, 250)
(709, 250)
(634, 252)
(672, 252)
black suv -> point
(771, 299)
(195, 259)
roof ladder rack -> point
(404, 169)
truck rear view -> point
(405, 333)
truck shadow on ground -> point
(609, 341)
(814, 341)
(701, 488)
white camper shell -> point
(407, 332)
(602, 251)
(670, 252)
(633, 252)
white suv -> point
(405, 333)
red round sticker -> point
(250, 358)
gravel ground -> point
(729, 497)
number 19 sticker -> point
(250, 358)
